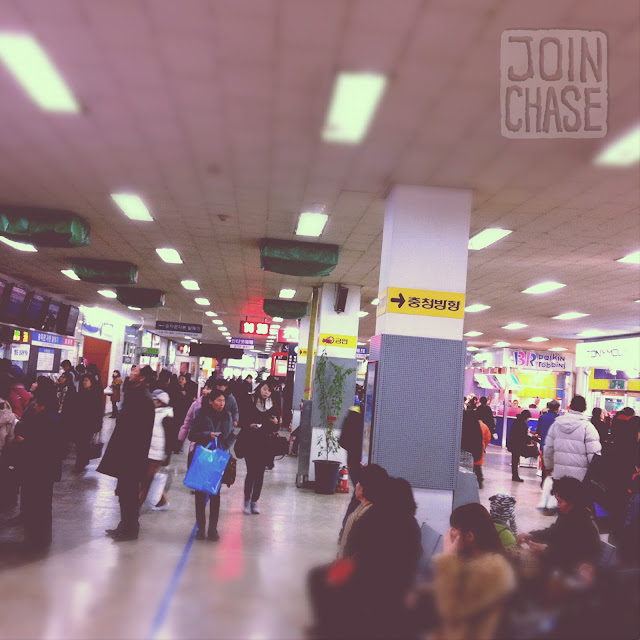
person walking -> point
(116, 387)
(486, 415)
(188, 419)
(38, 436)
(88, 419)
(231, 405)
(545, 421)
(211, 421)
(571, 443)
(127, 453)
(471, 440)
(516, 442)
(260, 422)
(478, 464)
(67, 410)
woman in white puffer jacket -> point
(571, 443)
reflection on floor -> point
(249, 585)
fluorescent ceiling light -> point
(107, 293)
(278, 319)
(515, 325)
(287, 293)
(169, 255)
(571, 315)
(36, 73)
(362, 314)
(132, 206)
(473, 334)
(20, 246)
(70, 273)
(538, 339)
(353, 104)
(487, 237)
(188, 337)
(375, 301)
(502, 344)
(275, 326)
(590, 333)
(622, 152)
(135, 308)
(361, 344)
(557, 349)
(191, 285)
(217, 322)
(211, 314)
(222, 328)
(632, 258)
(311, 224)
(203, 301)
(544, 287)
(473, 349)
(476, 307)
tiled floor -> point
(249, 585)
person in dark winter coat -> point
(472, 441)
(259, 423)
(40, 455)
(516, 442)
(484, 413)
(127, 452)
(67, 409)
(211, 421)
(88, 419)
(601, 426)
(351, 440)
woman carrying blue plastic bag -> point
(211, 422)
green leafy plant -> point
(330, 379)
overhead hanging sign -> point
(243, 343)
(289, 334)
(622, 354)
(421, 302)
(248, 328)
(41, 339)
(165, 328)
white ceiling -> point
(215, 107)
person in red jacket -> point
(19, 397)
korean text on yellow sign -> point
(333, 340)
(422, 302)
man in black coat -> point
(128, 450)
(486, 415)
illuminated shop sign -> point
(248, 328)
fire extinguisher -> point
(343, 481)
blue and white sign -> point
(20, 352)
(362, 351)
(243, 343)
(41, 339)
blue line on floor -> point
(170, 591)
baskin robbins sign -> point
(537, 360)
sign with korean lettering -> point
(248, 328)
(20, 335)
(45, 360)
(333, 340)
(41, 339)
(422, 302)
(289, 334)
(20, 352)
(302, 353)
(164, 328)
(243, 343)
(362, 351)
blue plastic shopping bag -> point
(207, 467)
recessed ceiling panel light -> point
(538, 339)
(590, 333)
(473, 308)
(515, 325)
(375, 302)
(502, 344)
(473, 334)
(544, 287)
(287, 293)
(169, 255)
(622, 152)
(557, 349)
(473, 349)
(203, 301)
(570, 315)
(191, 285)
(70, 273)
(275, 326)
(20, 246)
(222, 328)
(135, 308)
(632, 258)
(311, 224)
(361, 344)
(33, 69)
(107, 293)
(277, 319)
(362, 314)
(217, 322)
(211, 314)
(353, 104)
(487, 237)
(132, 206)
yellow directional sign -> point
(333, 340)
(422, 302)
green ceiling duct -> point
(105, 271)
(298, 258)
(44, 227)
(289, 309)
(139, 297)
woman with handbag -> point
(211, 421)
(517, 441)
(88, 421)
(259, 424)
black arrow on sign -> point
(400, 300)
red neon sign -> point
(248, 328)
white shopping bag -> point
(547, 501)
(158, 485)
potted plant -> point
(330, 379)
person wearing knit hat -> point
(502, 512)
